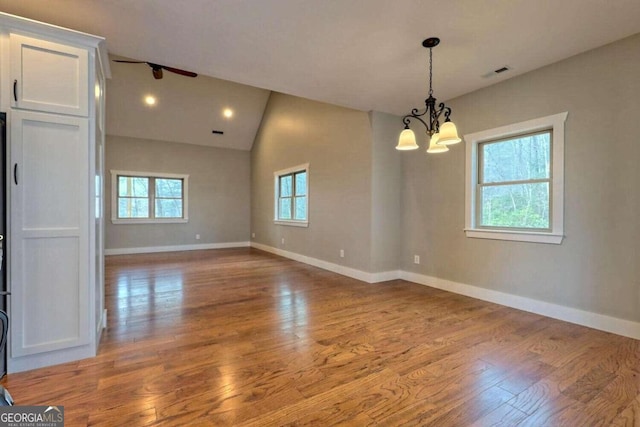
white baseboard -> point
(175, 248)
(102, 324)
(601, 322)
(385, 276)
(325, 265)
(585, 318)
(35, 361)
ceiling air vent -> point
(496, 72)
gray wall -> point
(336, 142)
(596, 267)
(218, 192)
(386, 194)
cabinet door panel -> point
(49, 76)
(49, 225)
(50, 186)
(50, 308)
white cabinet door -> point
(49, 225)
(50, 77)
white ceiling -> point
(364, 54)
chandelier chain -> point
(430, 71)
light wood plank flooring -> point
(242, 337)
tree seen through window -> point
(514, 182)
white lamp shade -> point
(407, 140)
(448, 134)
(435, 147)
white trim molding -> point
(291, 223)
(556, 233)
(175, 248)
(49, 358)
(589, 319)
(601, 322)
(335, 268)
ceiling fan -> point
(156, 69)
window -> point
(292, 196)
(515, 180)
(144, 197)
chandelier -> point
(440, 136)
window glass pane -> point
(284, 210)
(518, 205)
(168, 208)
(286, 184)
(129, 207)
(133, 186)
(301, 184)
(522, 158)
(171, 188)
(300, 212)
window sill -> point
(150, 221)
(292, 223)
(521, 236)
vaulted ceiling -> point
(364, 54)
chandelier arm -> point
(407, 119)
(447, 113)
(435, 116)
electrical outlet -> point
(416, 259)
(283, 240)
(341, 253)
(253, 235)
(197, 237)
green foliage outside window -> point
(514, 182)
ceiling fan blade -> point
(179, 71)
(157, 68)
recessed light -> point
(150, 100)
(228, 113)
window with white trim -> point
(148, 197)
(292, 196)
(515, 181)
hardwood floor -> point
(242, 337)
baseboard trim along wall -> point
(175, 248)
(102, 324)
(601, 322)
(35, 361)
(325, 265)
